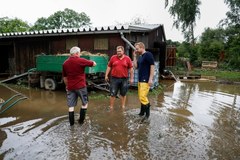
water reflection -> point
(213, 108)
(188, 121)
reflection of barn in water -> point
(18, 50)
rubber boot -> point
(142, 110)
(147, 110)
(71, 118)
(82, 115)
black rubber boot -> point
(142, 110)
(82, 116)
(147, 110)
(71, 118)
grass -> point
(220, 75)
(97, 95)
(233, 76)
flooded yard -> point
(188, 121)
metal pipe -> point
(9, 100)
(127, 41)
(12, 104)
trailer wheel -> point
(50, 84)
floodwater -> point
(188, 121)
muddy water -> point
(188, 121)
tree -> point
(232, 24)
(173, 43)
(13, 25)
(62, 19)
(232, 48)
(184, 13)
(138, 20)
(211, 44)
(134, 21)
(183, 50)
(40, 24)
(233, 16)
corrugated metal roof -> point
(83, 30)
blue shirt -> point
(144, 63)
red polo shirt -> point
(73, 69)
(120, 66)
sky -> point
(111, 12)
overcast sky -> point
(109, 12)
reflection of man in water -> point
(75, 81)
(145, 66)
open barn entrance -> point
(6, 52)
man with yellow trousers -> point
(145, 66)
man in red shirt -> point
(75, 81)
(119, 65)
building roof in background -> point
(84, 30)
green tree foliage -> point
(185, 13)
(173, 43)
(213, 41)
(232, 30)
(13, 25)
(41, 24)
(62, 19)
(194, 55)
(232, 48)
(211, 44)
(233, 16)
(184, 50)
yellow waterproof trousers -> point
(143, 89)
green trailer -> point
(49, 70)
(53, 63)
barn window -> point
(100, 44)
(71, 43)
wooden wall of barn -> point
(154, 42)
(86, 43)
(26, 51)
(23, 51)
(20, 53)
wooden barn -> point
(18, 50)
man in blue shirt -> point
(145, 66)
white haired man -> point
(75, 80)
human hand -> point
(106, 78)
(134, 53)
(94, 63)
(150, 82)
(131, 81)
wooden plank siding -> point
(58, 45)
(171, 56)
(22, 50)
(26, 52)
